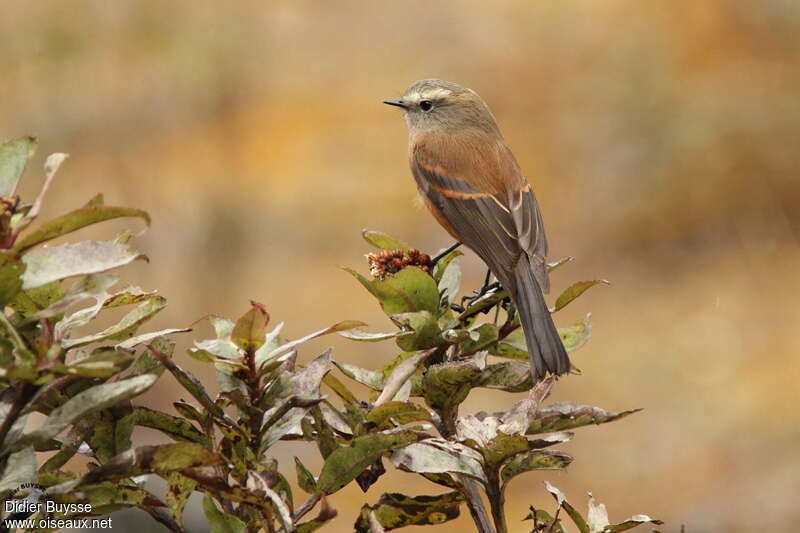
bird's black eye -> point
(426, 105)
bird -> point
(471, 182)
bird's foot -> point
(467, 301)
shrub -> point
(221, 447)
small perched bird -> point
(471, 182)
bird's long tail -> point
(545, 349)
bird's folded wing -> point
(496, 216)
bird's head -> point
(433, 104)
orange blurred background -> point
(662, 139)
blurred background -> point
(662, 139)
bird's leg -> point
(484, 290)
(511, 310)
(486, 282)
(441, 255)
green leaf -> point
(480, 338)
(501, 436)
(630, 523)
(511, 376)
(437, 456)
(576, 517)
(399, 412)
(193, 386)
(370, 378)
(29, 302)
(96, 200)
(126, 327)
(178, 428)
(69, 447)
(146, 363)
(358, 334)
(223, 327)
(449, 282)
(93, 287)
(573, 337)
(179, 489)
(51, 165)
(90, 400)
(384, 241)
(123, 431)
(272, 341)
(564, 504)
(45, 265)
(287, 347)
(442, 264)
(422, 330)
(503, 447)
(567, 415)
(160, 459)
(325, 438)
(447, 384)
(482, 304)
(221, 522)
(108, 497)
(512, 346)
(211, 349)
(200, 355)
(21, 467)
(97, 430)
(409, 290)
(249, 331)
(575, 290)
(576, 335)
(305, 479)
(339, 388)
(11, 272)
(14, 156)
(346, 463)
(189, 411)
(556, 264)
(543, 518)
(101, 364)
(299, 393)
(74, 221)
(534, 460)
(398, 510)
(145, 338)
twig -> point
(293, 402)
(162, 517)
(444, 253)
(17, 340)
(475, 504)
(306, 507)
(23, 394)
(555, 520)
(496, 501)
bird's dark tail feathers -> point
(545, 349)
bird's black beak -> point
(396, 102)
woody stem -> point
(444, 253)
